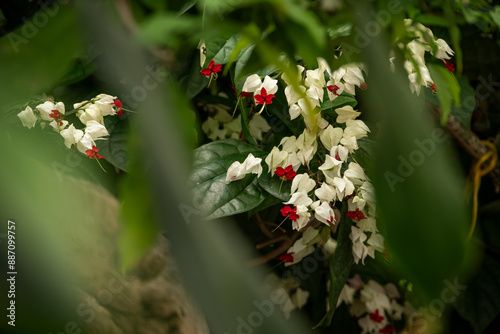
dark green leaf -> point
(479, 300)
(212, 194)
(448, 89)
(273, 185)
(115, 148)
(342, 100)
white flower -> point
(331, 136)
(324, 213)
(299, 250)
(271, 86)
(367, 225)
(302, 183)
(369, 326)
(331, 164)
(341, 151)
(252, 83)
(302, 221)
(92, 112)
(276, 159)
(355, 173)
(47, 108)
(71, 135)
(346, 113)
(349, 142)
(256, 126)
(376, 241)
(238, 170)
(356, 128)
(375, 298)
(292, 95)
(28, 117)
(85, 143)
(359, 249)
(58, 126)
(294, 111)
(325, 193)
(96, 130)
(315, 80)
(289, 144)
(336, 91)
(352, 76)
(444, 51)
(299, 198)
(103, 101)
(343, 187)
(346, 295)
(296, 80)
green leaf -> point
(139, 224)
(115, 149)
(340, 30)
(187, 6)
(495, 15)
(448, 89)
(195, 81)
(169, 29)
(307, 20)
(273, 185)
(31, 66)
(479, 300)
(340, 265)
(463, 113)
(342, 100)
(430, 19)
(212, 194)
(363, 155)
(222, 56)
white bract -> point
(28, 117)
(238, 170)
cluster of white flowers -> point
(221, 125)
(339, 141)
(90, 113)
(376, 307)
(418, 73)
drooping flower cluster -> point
(378, 308)
(339, 177)
(91, 114)
(221, 125)
(424, 41)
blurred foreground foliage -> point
(86, 48)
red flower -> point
(263, 97)
(363, 86)
(356, 215)
(118, 104)
(433, 86)
(287, 258)
(388, 330)
(286, 172)
(92, 153)
(333, 89)
(245, 94)
(376, 317)
(211, 69)
(56, 115)
(449, 66)
(290, 213)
